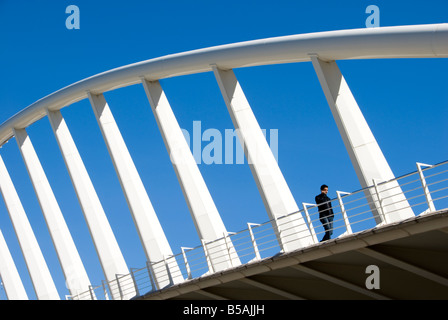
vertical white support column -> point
(37, 267)
(363, 149)
(9, 274)
(75, 274)
(106, 245)
(150, 231)
(207, 220)
(292, 231)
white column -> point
(37, 267)
(277, 197)
(106, 245)
(151, 234)
(363, 149)
(9, 275)
(207, 220)
(75, 274)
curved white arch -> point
(420, 41)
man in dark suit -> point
(325, 212)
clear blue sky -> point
(404, 101)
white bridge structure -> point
(409, 211)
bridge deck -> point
(411, 256)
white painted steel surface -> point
(277, 197)
(349, 206)
(365, 153)
(72, 266)
(35, 262)
(109, 253)
(9, 275)
(153, 239)
(204, 213)
(419, 41)
(323, 49)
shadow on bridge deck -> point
(410, 259)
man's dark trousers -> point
(327, 223)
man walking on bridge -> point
(325, 212)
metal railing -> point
(425, 190)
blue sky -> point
(404, 101)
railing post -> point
(135, 282)
(308, 219)
(92, 297)
(277, 230)
(207, 256)
(187, 266)
(119, 287)
(170, 276)
(344, 213)
(252, 238)
(429, 201)
(228, 246)
(380, 202)
(106, 296)
(151, 277)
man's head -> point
(324, 189)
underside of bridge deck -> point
(406, 260)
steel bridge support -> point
(207, 220)
(9, 275)
(75, 274)
(292, 231)
(109, 253)
(365, 154)
(37, 267)
(153, 239)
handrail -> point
(260, 241)
(419, 41)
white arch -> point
(420, 41)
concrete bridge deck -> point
(411, 256)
